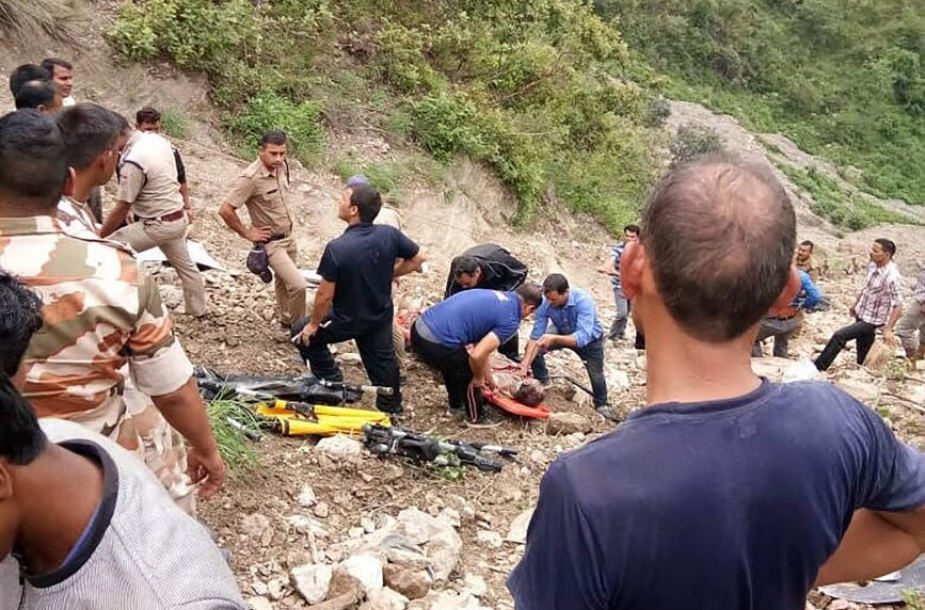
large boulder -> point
(567, 423)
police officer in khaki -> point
(148, 187)
(264, 188)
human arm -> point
(539, 329)
(895, 313)
(875, 544)
(324, 296)
(407, 265)
(230, 215)
(115, 219)
(563, 565)
(185, 412)
(586, 314)
(809, 291)
(479, 356)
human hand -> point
(888, 337)
(258, 234)
(307, 333)
(206, 468)
(189, 214)
(547, 341)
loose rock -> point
(567, 423)
(339, 447)
(410, 582)
(312, 581)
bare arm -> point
(231, 218)
(324, 296)
(184, 192)
(875, 544)
(406, 266)
(478, 358)
(183, 409)
(891, 322)
(115, 219)
(530, 351)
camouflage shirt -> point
(101, 312)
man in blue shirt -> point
(354, 299)
(485, 318)
(726, 492)
(618, 328)
(575, 326)
(783, 325)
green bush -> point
(268, 110)
(694, 141)
(174, 123)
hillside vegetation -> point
(561, 98)
(845, 79)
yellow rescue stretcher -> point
(302, 419)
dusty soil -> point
(242, 334)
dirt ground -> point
(241, 335)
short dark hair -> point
(888, 246)
(25, 73)
(20, 318)
(276, 137)
(465, 264)
(367, 200)
(49, 64)
(21, 438)
(35, 93)
(719, 199)
(531, 293)
(147, 114)
(33, 161)
(632, 229)
(806, 242)
(555, 282)
(89, 130)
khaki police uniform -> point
(148, 181)
(265, 194)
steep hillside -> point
(845, 79)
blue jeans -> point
(618, 328)
(593, 357)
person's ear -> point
(69, 182)
(790, 291)
(632, 263)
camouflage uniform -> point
(103, 319)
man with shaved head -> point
(726, 491)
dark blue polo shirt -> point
(725, 505)
(467, 316)
(361, 262)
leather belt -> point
(168, 217)
(277, 237)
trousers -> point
(289, 283)
(863, 332)
(376, 351)
(170, 237)
(592, 355)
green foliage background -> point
(561, 98)
(845, 79)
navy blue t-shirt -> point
(361, 262)
(467, 316)
(726, 505)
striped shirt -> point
(882, 293)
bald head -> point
(719, 234)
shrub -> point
(268, 110)
(693, 141)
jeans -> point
(453, 364)
(863, 332)
(511, 348)
(781, 330)
(593, 357)
(376, 350)
(618, 328)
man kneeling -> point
(486, 318)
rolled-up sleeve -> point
(542, 320)
(584, 324)
(157, 362)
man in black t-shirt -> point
(491, 267)
(727, 491)
(354, 299)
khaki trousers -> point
(289, 282)
(170, 237)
